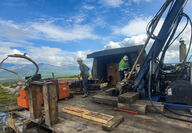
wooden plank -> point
(109, 126)
(74, 111)
(35, 101)
(50, 104)
(87, 114)
(105, 99)
(140, 108)
(128, 97)
(150, 108)
(97, 117)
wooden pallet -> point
(75, 111)
(90, 115)
(98, 117)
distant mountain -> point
(45, 70)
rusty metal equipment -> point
(62, 89)
(23, 96)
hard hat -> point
(79, 59)
(125, 58)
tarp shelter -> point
(105, 63)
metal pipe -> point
(182, 51)
(148, 38)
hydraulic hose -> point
(157, 18)
(178, 113)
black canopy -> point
(116, 51)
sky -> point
(57, 32)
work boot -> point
(85, 95)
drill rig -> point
(153, 80)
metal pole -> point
(148, 38)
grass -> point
(74, 76)
(6, 99)
(6, 84)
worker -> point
(124, 67)
(84, 74)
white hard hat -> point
(79, 59)
(125, 58)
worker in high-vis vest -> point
(124, 67)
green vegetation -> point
(73, 77)
(6, 99)
(66, 77)
(6, 84)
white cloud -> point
(88, 7)
(57, 33)
(47, 55)
(172, 56)
(135, 30)
(138, 1)
(19, 34)
(111, 3)
(56, 56)
(10, 44)
(6, 50)
(13, 31)
(112, 44)
(47, 30)
(136, 26)
(129, 41)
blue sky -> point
(57, 32)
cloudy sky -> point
(57, 32)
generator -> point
(179, 92)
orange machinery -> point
(63, 90)
(23, 97)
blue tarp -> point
(2, 117)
